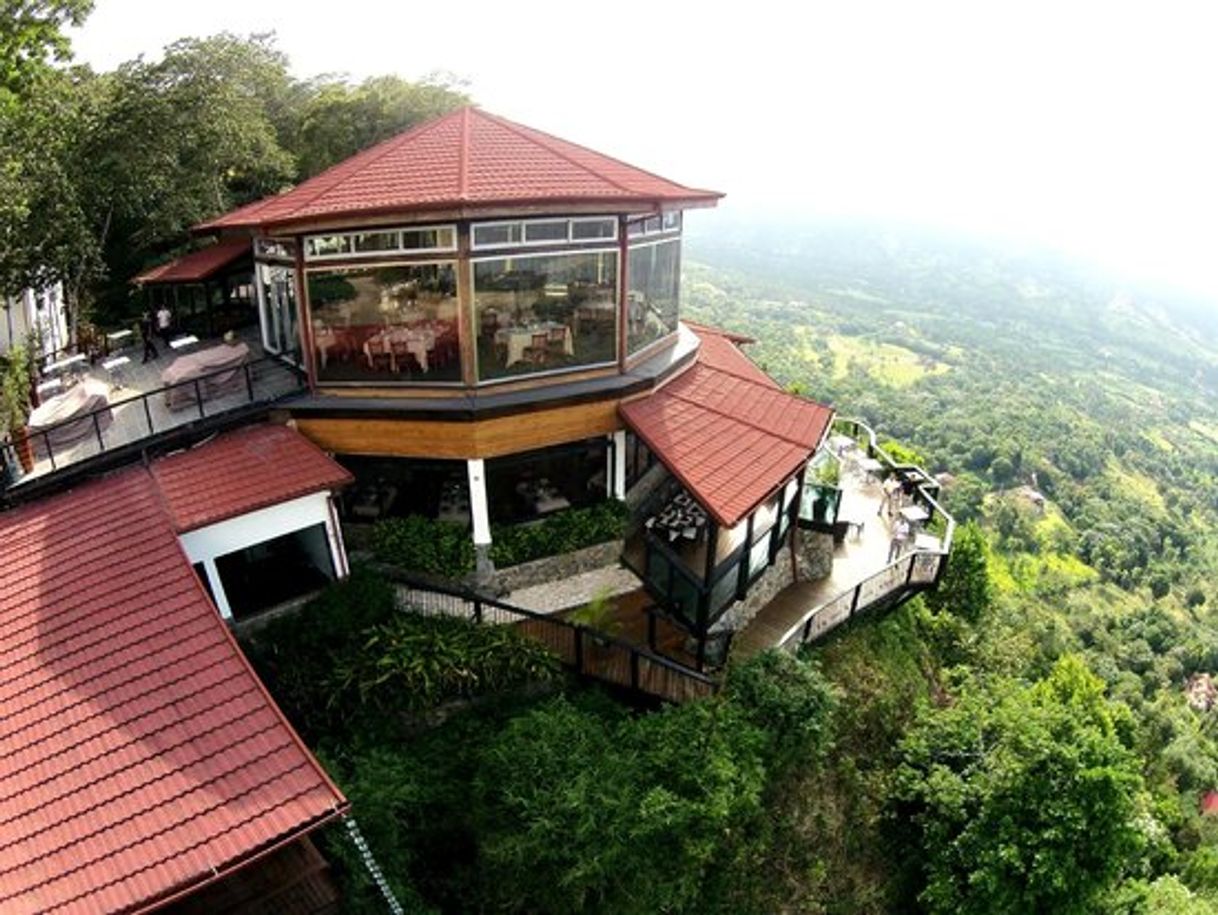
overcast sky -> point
(1092, 127)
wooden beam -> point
(526, 431)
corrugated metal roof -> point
(241, 472)
(467, 158)
(726, 430)
(197, 265)
(139, 754)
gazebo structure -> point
(208, 291)
(489, 321)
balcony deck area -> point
(141, 405)
(862, 574)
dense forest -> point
(1036, 737)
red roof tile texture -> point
(466, 159)
(197, 265)
(139, 755)
(243, 471)
(726, 430)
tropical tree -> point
(1024, 798)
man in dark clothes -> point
(146, 330)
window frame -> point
(523, 226)
(348, 237)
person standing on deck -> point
(900, 534)
(164, 318)
(146, 332)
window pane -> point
(321, 245)
(652, 300)
(593, 228)
(503, 234)
(538, 314)
(672, 221)
(375, 241)
(388, 323)
(446, 238)
(422, 239)
(555, 230)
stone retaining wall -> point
(557, 568)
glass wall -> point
(651, 301)
(539, 313)
(277, 301)
(386, 323)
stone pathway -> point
(574, 591)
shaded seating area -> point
(208, 291)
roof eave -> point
(465, 209)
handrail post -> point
(854, 602)
(199, 399)
(101, 445)
(913, 562)
(477, 610)
(46, 440)
(148, 414)
(249, 380)
(579, 649)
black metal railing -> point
(588, 652)
(917, 570)
(93, 433)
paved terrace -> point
(139, 406)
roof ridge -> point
(463, 156)
(362, 159)
(541, 139)
(589, 149)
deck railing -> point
(586, 651)
(916, 570)
(94, 433)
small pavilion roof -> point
(241, 472)
(140, 756)
(197, 266)
(726, 430)
(466, 160)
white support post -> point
(481, 515)
(334, 535)
(618, 476)
(217, 589)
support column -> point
(217, 588)
(334, 536)
(617, 454)
(480, 513)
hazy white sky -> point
(1090, 126)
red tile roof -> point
(197, 265)
(241, 472)
(726, 430)
(140, 757)
(466, 159)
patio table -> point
(518, 338)
(419, 342)
(67, 418)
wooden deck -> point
(129, 418)
(857, 559)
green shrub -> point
(435, 547)
(564, 532)
(445, 549)
(788, 700)
(294, 654)
(414, 662)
